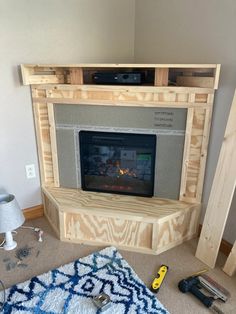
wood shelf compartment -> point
(155, 75)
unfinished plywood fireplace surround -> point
(150, 225)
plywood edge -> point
(176, 243)
(53, 226)
(127, 88)
(183, 211)
(187, 144)
(103, 244)
(48, 214)
(230, 265)
(76, 200)
(125, 103)
(50, 196)
(34, 212)
(124, 65)
(217, 76)
(52, 130)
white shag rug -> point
(70, 289)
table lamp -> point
(11, 217)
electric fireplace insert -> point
(122, 163)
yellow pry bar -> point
(156, 284)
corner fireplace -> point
(122, 163)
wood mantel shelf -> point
(148, 225)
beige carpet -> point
(52, 253)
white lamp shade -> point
(11, 216)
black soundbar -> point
(118, 78)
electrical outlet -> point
(30, 171)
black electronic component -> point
(118, 78)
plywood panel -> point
(154, 228)
(177, 229)
(52, 213)
(108, 230)
(143, 209)
(195, 81)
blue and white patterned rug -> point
(70, 289)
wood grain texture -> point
(221, 195)
(194, 158)
(161, 77)
(124, 96)
(114, 205)
(196, 81)
(230, 265)
(53, 142)
(181, 66)
(186, 152)
(72, 73)
(33, 212)
(52, 214)
(76, 76)
(108, 230)
(203, 153)
(177, 229)
(43, 142)
(142, 224)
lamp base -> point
(10, 246)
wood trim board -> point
(34, 212)
(230, 265)
(221, 195)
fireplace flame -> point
(127, 172)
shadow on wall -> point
(3, 191)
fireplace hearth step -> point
(150, 225)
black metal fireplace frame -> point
(148, 141)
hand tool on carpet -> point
(102, 301)
(194, 284)
(156, 284)
(214, 288)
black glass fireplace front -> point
(121, 163)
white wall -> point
(190, 31)
(49, 31)
(74, 31)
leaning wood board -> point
(221, 195)
(158, 224)
(230, 265)
(149, 225)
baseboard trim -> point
(33, 212)
(225, 246)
